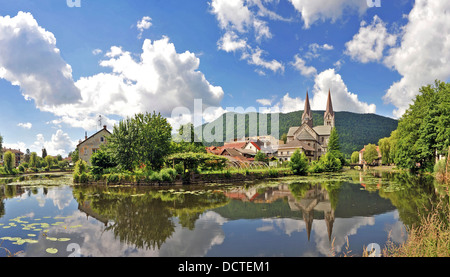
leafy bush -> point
(299, 163)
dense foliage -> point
(424, 130)
(144, 139)
(299, 163)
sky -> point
(66, 63)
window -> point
(102, 139)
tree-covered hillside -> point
(355, 130)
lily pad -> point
(51, 250)
(63, 239)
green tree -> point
(261, 157)
(49, 160)
(33, 160)
(144, 139)
(424, 129)
(101, 160)
(355, 157)
(385, 148)
(44, 153)
(9, 161)
(1, 145)
(333, 141)
(186, 141)
(284, 138)
(370, 153)
(299, 163)
(26, 157)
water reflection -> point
(286, 217)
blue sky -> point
(61, 67)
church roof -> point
(305, 136)
(296, 144)
(292, 131)
(329, 105)
(323, 130)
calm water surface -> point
(293, 216)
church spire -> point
(328, 117)
(307, 114)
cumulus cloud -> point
(60, 143)
(423, 55)
(343, 100)
(370, 42)
(230, 42)
(160, 79)
(25, 48)
(312, 11)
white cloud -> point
(27, 125)
(255, 58)
(143, 24)
(60, 143)
(239, 18)
(230, 42)
(25, 48)
(369, 43)
(97, 51)
(424, 53)
(343, 100)
(159, 80)
(264, 102)
(300, 65)
(287, 104)
(312, 11)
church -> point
(310, 139)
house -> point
(310, 139)
(19, 156)
(92, 144)
(361, 156)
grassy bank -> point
(429, 239)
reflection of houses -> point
(316, 199)
(17, 154)
(361, 156)
(92, 144)
(86, 208)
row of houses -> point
(19, 155)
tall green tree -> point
(33, 160)
(1, 145)
(9, 161)
(424, 129)
(355, 157)
(385, 149)
(299, 163)
(44, 153)
(370, 153)
(144, 139)
(334, 146)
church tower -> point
(328, 117)
(307, 117)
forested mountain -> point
(355, 130)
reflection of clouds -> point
(397, 230)
(61, 197)
(195, 243)
(288, 225)
(342, 228)
(96, 242)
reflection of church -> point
(314, 200)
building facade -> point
(92, 144)
(310, 139)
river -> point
(315, 216)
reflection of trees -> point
(143, 217)
(414, 197)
